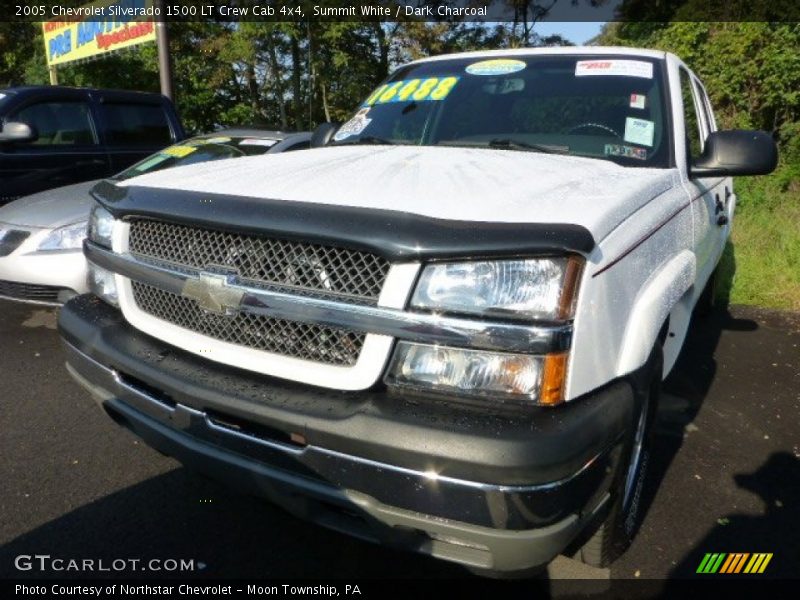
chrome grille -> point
(299, 340)
(349, 275)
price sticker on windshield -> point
(413, 90)
(178, 151)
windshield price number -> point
(432, 88)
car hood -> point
(52, 208)
(468, 184)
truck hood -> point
(466, 184)
(52, 208)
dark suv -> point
(54, 136)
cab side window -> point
(694, 127)
(136, 124)
(58, 123)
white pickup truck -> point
(445, 327)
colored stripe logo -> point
(736, 562)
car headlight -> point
(102, 283)
(69, 237)
(101, 226)
(536, 289)
(526, 289)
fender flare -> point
(666, 293)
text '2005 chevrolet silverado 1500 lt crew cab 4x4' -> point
(444, 328)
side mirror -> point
(323, 134)
(736, 152)
(14, 131)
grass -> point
(762, 264)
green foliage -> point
(762, 264)
(18, 41)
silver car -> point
(41, 235)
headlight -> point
(101, 226)
(535, 289)
(530, 289)
(479, 373)
(102, 284)
(69, 237)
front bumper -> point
(49, 278)
(504, 491)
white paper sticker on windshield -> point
(625, 68)
(354, 126)
(639, 131)
(638, 100)
(258, 142)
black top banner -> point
(489, 11)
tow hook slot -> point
(255, 430)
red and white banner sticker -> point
(625, 68)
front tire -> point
(616, 532)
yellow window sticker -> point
(178, 151)
(416, 90)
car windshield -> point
(197, 150)
(609, 108)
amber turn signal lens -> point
(554, 379)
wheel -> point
(616, 532)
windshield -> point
(197, 150)
(601, 107)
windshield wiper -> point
(367, 139)
(510, 144)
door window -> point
(58, 123)
(136, 124)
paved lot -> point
(727, 472)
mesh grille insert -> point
(298, 340)
(349, 275)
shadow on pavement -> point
(777, 531)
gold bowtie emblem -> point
(212, 293)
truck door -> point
(711, 224)
(66, 151)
